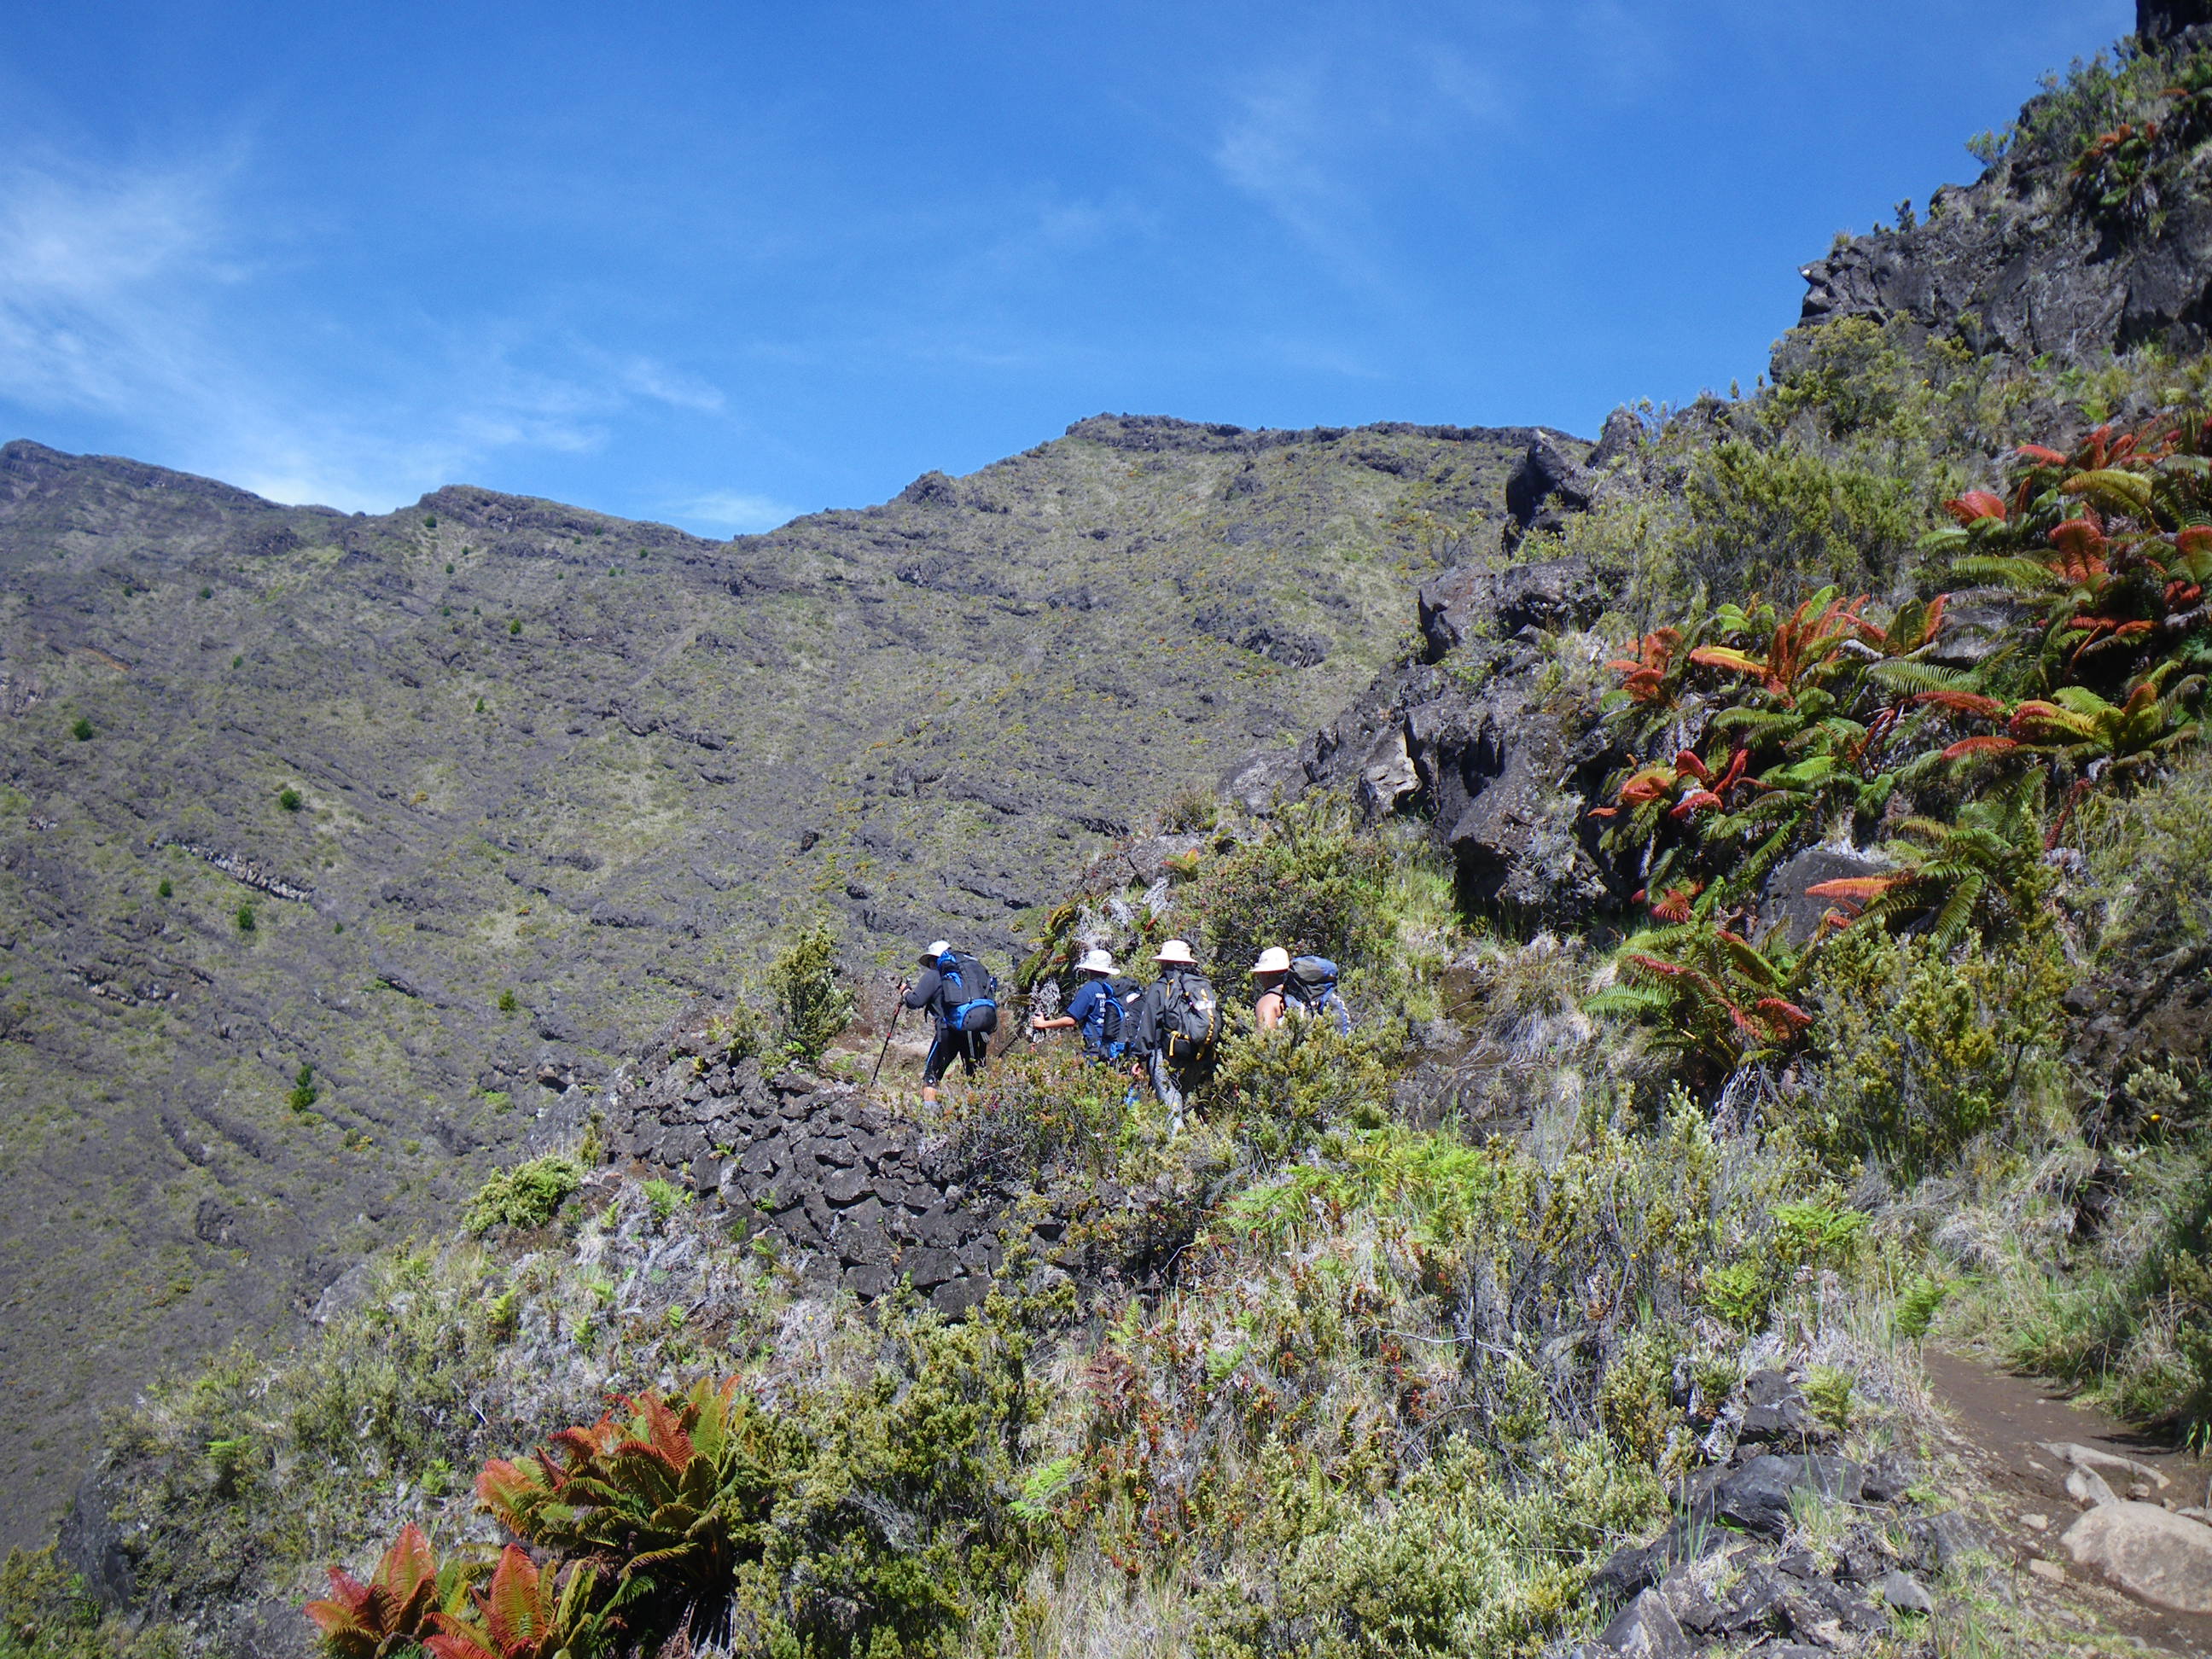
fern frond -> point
(1907, 674)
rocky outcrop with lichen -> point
(2091, 229)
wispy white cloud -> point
(1278, 147)
(649, 378)
(79, 256)
(131, 293)
(732, 513)
(1335, 123)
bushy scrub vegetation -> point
(526, 1195)
(2124, 1304)
(46, 1612)
(1312, 886)
(1840, 720)
(1389, 1341)
(812, 1484)
(1829, 479)
(2006, 740)
(2135, 1316)
(1922, 1044)
(814, 1007)
(2150, 889)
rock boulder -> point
(1647, 1629)
(2164, 1559)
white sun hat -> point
(1273, 960)
(937, 948)
(1096, 962)
(1177, 951)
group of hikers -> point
(1165, 1031)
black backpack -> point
(1310, 988)
(1190, 1018)
(969, 996)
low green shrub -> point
(1800, 1238)
(664, 1198)
(1917, 1050)
(2133, 1320)
(1285, 1086)
(2150, 859)
(859, 1515)
(735, 1034)
(243, 1482)
(1917, 1305)
(1852, 374)
(1047, 1108)
(1191, 808)
(526, 1195)
(1313, 884)
(1739, 1293)
(1458, 1558)
(45, 1613)
(814, 1007)
(1782, 519)
(1828, 1391)
(1636, 1398)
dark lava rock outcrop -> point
(2033, 258)
(1727, 1576)
(860, 1196)
(1484, 739)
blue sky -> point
(718, 264)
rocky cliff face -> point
(2091, 229)
(551, 775)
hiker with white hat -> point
(1272, 967)
(1177, 1024)
(1298, 987)
(962, 996)
(1100, 1007)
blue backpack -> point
(970, 994)
(1107, 1032)
(1310, 988)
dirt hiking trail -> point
(2004, 1423)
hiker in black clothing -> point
(960, 993)
(1176, 1024)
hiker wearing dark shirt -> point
(1177, 1024)
(939, 989)
(1097, 1009)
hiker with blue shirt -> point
(1099, 1007)
(962, 996)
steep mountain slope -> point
(441, 803)
(1575, 1295)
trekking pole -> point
(1016, 1030)
(897, 1008)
